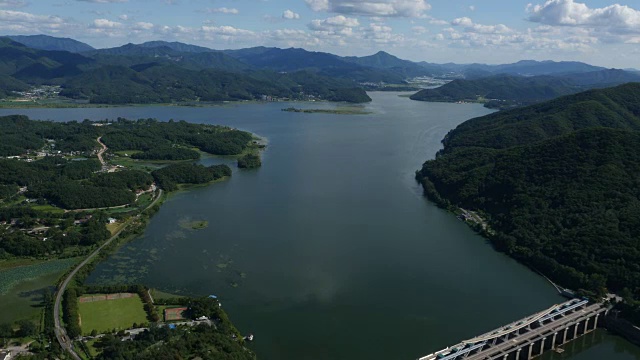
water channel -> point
(330, 251)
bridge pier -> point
(530, 351)
(595, 325)
(575, 331)
(542, 346)
(518, 353)
(566, 331)
(586, 326)
(553, 342)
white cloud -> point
(419, 30)
(290, 15)
(224, 10)
(394, 8)
(339, 21)
(104, 1)
(472, 8)
(226, 33)
(123, 17)
(434, 21)
(142, 26)
(615, 17)
(13, 3)
(106, 24)
(11, 16)
(382, 34)
(318, 5)
(470, 26)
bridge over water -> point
(530, 336)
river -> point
(330, 251)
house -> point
(111, 221)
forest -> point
(558, 184)
(221, 341)
(170, 140)
(504, 91)
(249, 161)
(169, 177)
(135, 75)
(115, 84)
(56, 169)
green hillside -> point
(501, 91)
(44, 42)
(501, 87)
(558, 183)
(39, 66)
(163, 84)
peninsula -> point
(73, 192)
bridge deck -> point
(509, 338)
(498, 351)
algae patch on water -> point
(193, 224)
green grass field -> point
(106, 315)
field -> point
(171, 314)
(105, 315)
(21, 287)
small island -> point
(249, 161)
(194, 225)
(337, 111)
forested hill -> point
(558, 183)
(503, 87)
(164, 84)
(519, 90)
(44, 42)
(160, 74)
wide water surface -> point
(330, 251)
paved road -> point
(61, 333)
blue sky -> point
(490, 31)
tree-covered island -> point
(68, 188)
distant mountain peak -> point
(51, 43)
(176, 46)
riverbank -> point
(84, 105)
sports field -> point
(102, 314)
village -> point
(37, 93)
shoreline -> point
(70, 105)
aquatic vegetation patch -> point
(193, 224)
(11, 277)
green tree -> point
(27, 328)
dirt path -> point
(101, 151)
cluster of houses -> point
(301, 96)
(38, 93)
(48, 150)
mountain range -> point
(41, 59)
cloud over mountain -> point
(394, 8)
(615, 17)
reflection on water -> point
(598, 344)
(329, 251)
